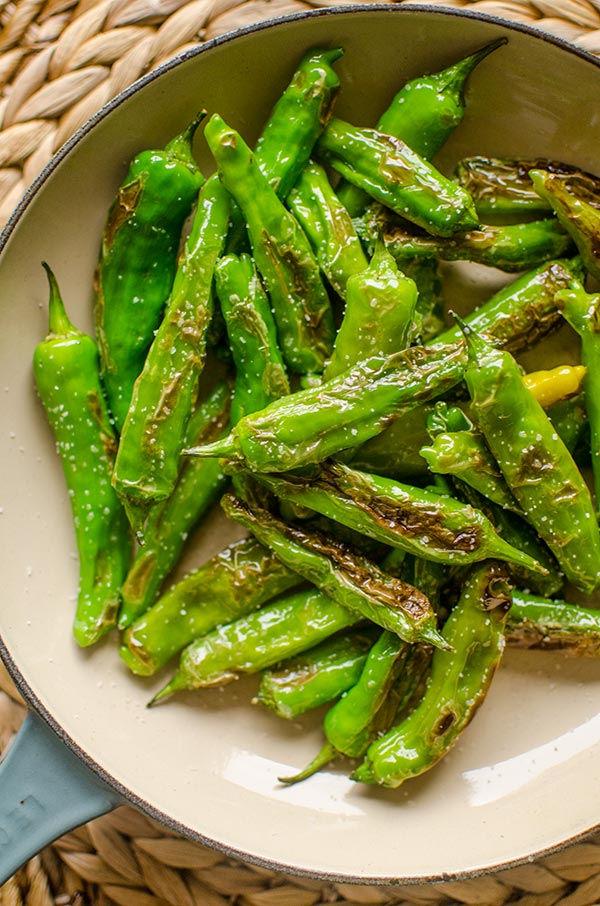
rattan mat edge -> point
(60, 61)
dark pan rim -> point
(127, 795)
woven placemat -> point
(60, 60)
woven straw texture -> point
(60, 60)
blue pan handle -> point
(45, 791)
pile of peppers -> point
(274, 339)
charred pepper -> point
(582, 311)
(233, 583)
(297, 119)
(169, 522)
(503, 187)
(348, 578)
(393, 174)
(575, 199)
(260, 375)
(422, 523)
(328, 226)
(258, 640)
(316, 677)
(281, 252)
(511, 247)
(424, 114)
(138, 259)
(148, 459)
(379, 317)
(537, 466)
(457, 685)
(312, 425)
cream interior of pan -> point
(526, 774)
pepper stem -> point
(60, 325)
(175, 684)
(327, 754)
(180, 147)
(454, 77)
(225, 447)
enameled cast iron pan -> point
(526, 775)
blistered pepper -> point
(138, 259)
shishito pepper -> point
(260, 375)
(582, 311)
(575, 199)
(317, 676)
(511, 248)
(236, 581)
(393, 174)
(297, 119)
(148, 459)
(424, 114)
(524, 311)
(500, 186)
(416, 520)
(457, 685)
(328, 226)
(347, 411)
(536, 464)
(138, 258)
(169, 522)
(314, 424)
(348, 578)
(256, 641)
(460, 451)
(282, 254)
(535, 622)
(66, 369)
(379, 317)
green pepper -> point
(348, 578)
(297, 119)
(424, 113)
(458, 683)
(379, 318)
(368, 708)
(582, 311)
(258, 640)
(234, 582)
(148, 459)
(281, 252)
(260, 375)
(430, 296)
(503, 187)
(511, 247)
(465, 455)
(312, 425)
(393, 174)
(138, 259)
(328, 226)
(535, 622)
(574, 199)
(293, 126)
(520, 314)
(170, 522)
(317, 676)
(537, 466)
(422, 523)
(66, 369)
